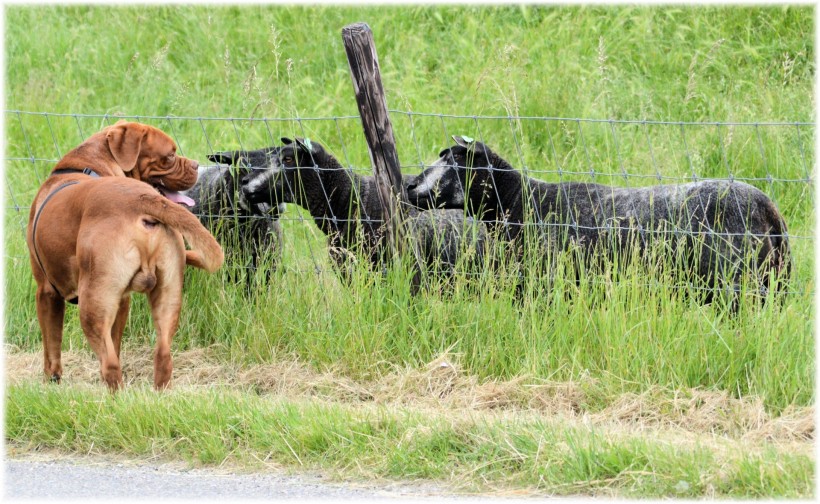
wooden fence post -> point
(367, 83)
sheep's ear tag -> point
(305, 142)
(462, 140)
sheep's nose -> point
(246, 178)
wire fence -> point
(775, 157)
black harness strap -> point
(85, 171)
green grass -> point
(473, 454)
(700, 65)
(747, 64)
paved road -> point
(47, 480)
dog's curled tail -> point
(205, 253)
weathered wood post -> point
(367, 83)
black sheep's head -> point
(446, 182)
(246, 166)
(259, 173)
(302, 161)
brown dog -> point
(97, 232)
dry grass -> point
(443, 389)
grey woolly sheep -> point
(345, 206)
(721, 228)
(246, 231)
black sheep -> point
(721, 228)
(246, 231)
(346, 207)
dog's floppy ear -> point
(286, 140)
(124, 142)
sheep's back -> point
(721, 227)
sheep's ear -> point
(463, 141)
(286, 140)
(305, 143)
(224, 157)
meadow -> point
(624, 96)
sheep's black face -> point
(474, 156)
(259, 172)
(300, 161)
(439, 186)
(254, 171)
(445, 183)
(301, 153)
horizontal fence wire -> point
(775, 157)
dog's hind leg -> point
(99, 308)
(166, 301)
(119, 323)
(50, 313)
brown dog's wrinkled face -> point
(147, 154)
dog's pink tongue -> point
(178, 198)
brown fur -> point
(102, 238)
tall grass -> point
(679, 64)
(658, 63)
